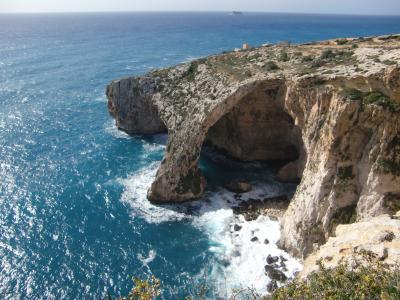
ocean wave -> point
(240, 255)
(111, 129)
(135, 195)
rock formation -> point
(332, 110)
(377, 237)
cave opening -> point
(256, 136)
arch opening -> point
(259, 129)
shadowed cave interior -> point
(256, 134)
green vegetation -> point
(345, 173)
(389, 62)
(318, 81)
(365, 278)
(271, 66)
(369, 98)
(370, 279)
(191, 72)
(341, 41)
(144, 290)
(352, 94)
(380, 99)
(307, 58)
(344, 215)
(284, 57)
(390, 164)
(327, 54)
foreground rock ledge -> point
(331, 108)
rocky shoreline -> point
(331, 108)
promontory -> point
(330, 109)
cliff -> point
(331, 109)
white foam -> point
(150, 257)
(238, 261)
(111, 129)
(136, 186)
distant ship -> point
(236, 13)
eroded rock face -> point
(339, 117)
(132, 108)
(378, 237)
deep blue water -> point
(74, 222)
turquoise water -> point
(74, 221)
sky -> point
(391, 7)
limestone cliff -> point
(331, 108)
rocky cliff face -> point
(332, 110)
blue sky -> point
(303, 6)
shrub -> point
(319, 81)
(307, 58)
(327, 54)
(191, 72)
(380, 99)
(341, 41)
(369, 279)
(144, 289)
(284, 56)
(352, 94)
(374, 97)
(271, 65)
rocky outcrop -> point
(378, 238)
(139, 116)
(333, 109)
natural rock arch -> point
(348, 148)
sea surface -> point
(74, 219)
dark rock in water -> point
(226, 262)
(254, 239)
(238, 187)
(237, 227)
(275, 274)
(252, 208)
(236, 253)
(272, 259)
(272, 286)
(282, 258)
(266, 241)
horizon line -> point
(192, 11)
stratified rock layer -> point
(334, 109)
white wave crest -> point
(240, 255)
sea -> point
(74, 219)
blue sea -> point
(74, 219)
